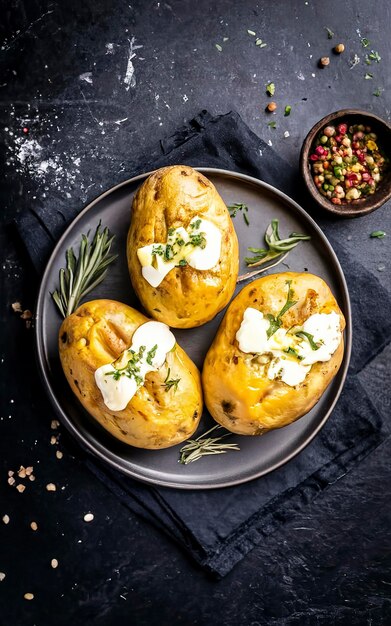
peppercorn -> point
(339, 48)
(324, 61)
(271, 107)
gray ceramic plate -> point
(257, 455)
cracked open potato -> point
(158, 415)
(262, 372)
(172, 198)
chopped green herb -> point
(377, 234)
(234, 208)
(151, 354)
(272, 124)
(195, 225)
(182, 263)
(365, 42)
(287, 110)
(372, 56)
(197, 240)
(251, 32)
(304, 335)
(219, 48)
(171, 231)
(293, 352)
(168, 253)
(276, 322)
(157, 250)
(131, 369)
(330, 33)
(270, 89)
(368, 76)
(170, 383)
(377, 92)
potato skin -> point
(171, 197)
(97, 333)
(237, 392)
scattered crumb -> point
(11, 481)
(10, 473)
(20, 488)
(28, 596)
(53, 440)
(34, 526)
(286, 134)
(29, 470)
(88, 517)
(54, 424)
(17, 307)
(59, 454)
(51, 487)
(31, 477)
(2, 576)
(6, 519)
(22, 472)
(54, 563)
(26, 315)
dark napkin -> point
(220, 527)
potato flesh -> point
(169, 198)
(237, 392)
(96, 334)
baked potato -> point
(164, 411)
(171, 202)
(277, 349)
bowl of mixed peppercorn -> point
(345, 162)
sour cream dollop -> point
(292, 353)
(198, 246)
(119, 381)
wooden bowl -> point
(361, 206)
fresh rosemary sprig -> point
(85, 272)
(171, 382)
(276, 245)
(195, 449)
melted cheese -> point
(291, 354)
(199, 246)
(117, 381)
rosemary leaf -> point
(202, 446)
(83, 272)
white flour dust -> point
(87, 77)
(130, 78)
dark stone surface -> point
(329, 566)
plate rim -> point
(94, 448)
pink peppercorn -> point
(342, 129)
(314, 157)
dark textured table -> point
(94, 84)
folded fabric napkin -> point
(218, 528)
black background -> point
(330, 565)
